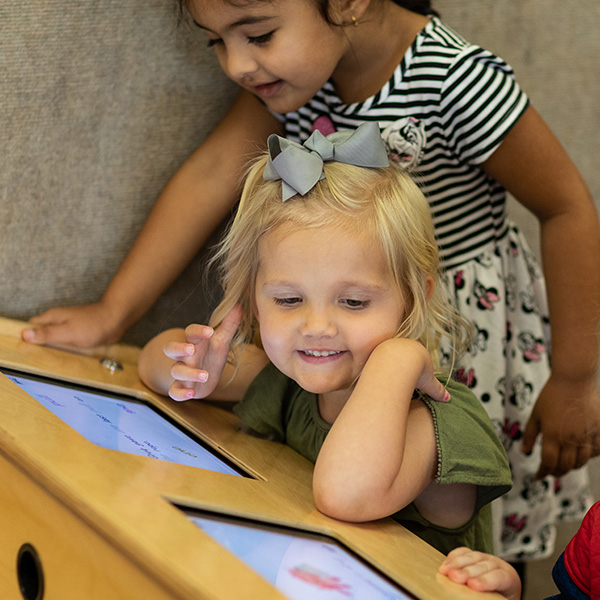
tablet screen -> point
(301, 565)
(120, 423)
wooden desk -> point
(103, 522)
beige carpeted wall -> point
(101, 100)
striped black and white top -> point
(447, 107)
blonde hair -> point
(382, 202)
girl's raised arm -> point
(198, 197)
(534, 167)
(381, 452)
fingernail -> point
(208, 331)
(28, 335)
(203, 377)
(447, 396)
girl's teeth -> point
(320, 354)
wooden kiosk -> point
(82, 521)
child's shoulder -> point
(442, 34)
(440, 44)
(463, 398)
(464, 408)
(468, 445)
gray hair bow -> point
(300, 166)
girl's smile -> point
(317, 354)
(324, 300)
(268, 90)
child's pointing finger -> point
(229, 325)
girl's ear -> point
(348, 12)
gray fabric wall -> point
(100, 101)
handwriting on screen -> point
(120, 424)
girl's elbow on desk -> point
(347, 502)
(341, 508)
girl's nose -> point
(240, 63)
(318, 324)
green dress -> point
(469, 450)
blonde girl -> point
(332, 269)
(452, 114)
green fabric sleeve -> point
(469, 451)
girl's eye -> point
(261, 39)
(353, 303)
(287, 301)
(214, 42)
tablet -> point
(119, 422)
(300, 564)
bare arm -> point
(535, 168)
(381, 452)
(198, 197)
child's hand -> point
(482, 572)
(410, 351)
(201, 359)
(82, 326)
(567, 415)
